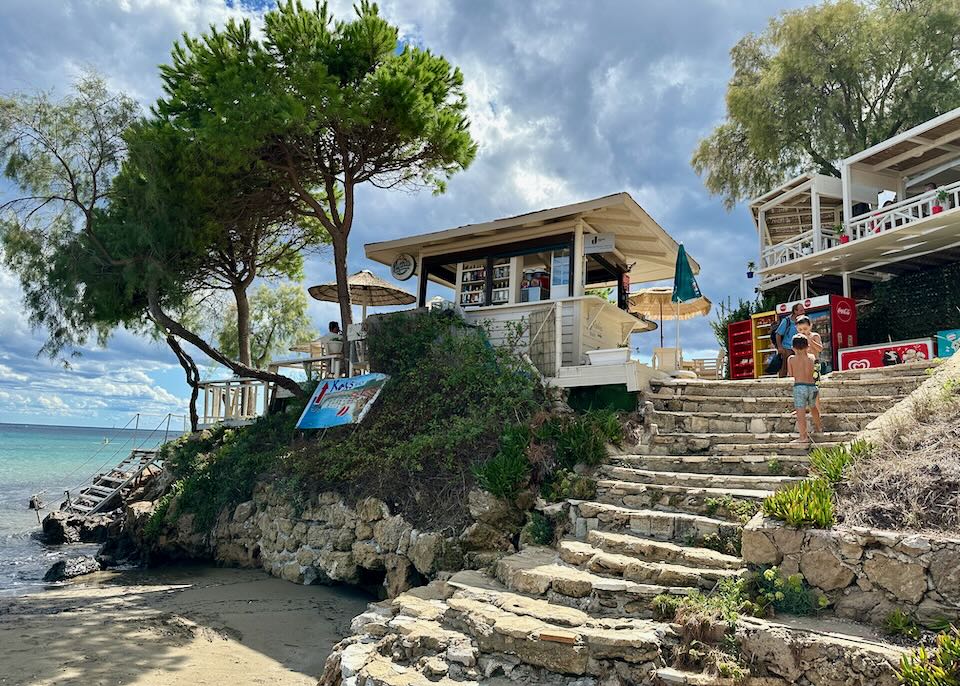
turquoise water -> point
(48, 460)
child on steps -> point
(801, 367)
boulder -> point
(822, 569)
(906, 580)
(497, 512)
(480, 536)
(945, 572)
(71, 567)
(61, 527)
(758, 549)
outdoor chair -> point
(667, 359)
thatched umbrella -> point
(366, 289)
(657, 303)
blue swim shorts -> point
(805, 395)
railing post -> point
(558, 323)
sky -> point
(568, 101)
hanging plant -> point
(751, 266)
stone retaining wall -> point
(326, 540)
(865, 573)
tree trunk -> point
(343, 288)
(171, 326)
(193, 378)
(243, 323)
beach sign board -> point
(337, 402)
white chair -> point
(667, 359)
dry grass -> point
(911, 479)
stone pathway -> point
(666, 519)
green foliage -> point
(826, 81)
(742, 510)
(278, 319)
(899, 623)
(581, 439)
(507, 471)
(790, 594)
(539, 529)
(726, 542)
(158, 518)
(729, 599)
(937, 666)
(398, 342)
(915, 305)
(831, 463)
(564, 484)
(805, 503)
(775, 467)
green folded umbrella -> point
(684, 285)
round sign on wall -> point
(404, 266)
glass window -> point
(560, 273)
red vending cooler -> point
(834, 318)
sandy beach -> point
(181, 625)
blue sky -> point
(568, 101)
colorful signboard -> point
(886, 354)
(948, 342)
(336, 402)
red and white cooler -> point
(834, 317)
(886, 354)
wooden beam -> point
(920, 149)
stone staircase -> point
(667, 519)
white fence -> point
(904, 212)
(233, 401)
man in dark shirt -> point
(785, 333)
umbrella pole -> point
(661, 323)
(363, 318)
(678, 334)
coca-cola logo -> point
(844, 312)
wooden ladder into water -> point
(104, 487)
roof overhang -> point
(788, 209)
(641, 243)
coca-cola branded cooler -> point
(834, 317)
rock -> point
(366, 554)
(424, 552)
(945, 572)
(401, 576)
(61, 527)
(390, 532)
(758, 549)
(71, 567)
(480, 536)
(243, 511)
(823, 569)
(906, 580)
(372, 509)
(497, 512)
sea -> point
(46, 461)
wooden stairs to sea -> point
(106, 487)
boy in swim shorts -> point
(801, 367)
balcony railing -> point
(234, 402)
(904, 212)
(799, 246)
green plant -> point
(831, 463)
(158, 518)
(775, 467)
(942, 195)
(726, 602)
(564, 484)
(539, 529)
(789, 594)
(583, 438)
(806, 503)
(726, 542)
(899, 623)
(508, 470)
(735, 507)
(938, 666)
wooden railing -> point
(799, 246)
(234, 401)
(904, 212)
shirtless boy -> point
(805, 329)
(801, 367)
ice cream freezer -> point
(886, 354)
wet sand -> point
(180, 625)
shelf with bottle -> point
(472, 298)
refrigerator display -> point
(834, 317)
(886, 354)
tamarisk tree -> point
(827, 81)
(326, 105)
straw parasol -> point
(366, 289)
(657, 303)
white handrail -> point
(902, 212)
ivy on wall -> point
(912, 306)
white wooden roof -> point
(916, 150)
(641, 240)
(788, 210)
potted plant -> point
(751, 266)
(838, 231)
(335, 345)
(941, 201)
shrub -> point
(899, 623)
(564, 484)
(730, 506)
(830, 463)
(789, 594)
(939, 666)
(806, 503)
(581, 439)
(539, 529)
(396, 343)
(154, 525)
(507, 471)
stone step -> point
(668, 676)
(678, 527)
(540, 572)
(759, 465)
(694, 480)
(697, 404)
(752, 422)
(783, 388)
(472, 628)
(735, 443)
(661, 551)
(736, 505)
(582, 554)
